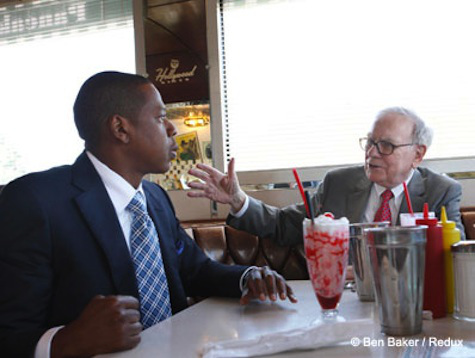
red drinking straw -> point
(302, 193)
(426, 211)
(408, 199)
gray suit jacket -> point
(345, 192)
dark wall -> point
(176, 49)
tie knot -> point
(137, 204)
(387, 195)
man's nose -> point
(171, 128)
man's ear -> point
(120, 128)
(420, 153)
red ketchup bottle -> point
(434, 277)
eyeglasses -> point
(384, 147)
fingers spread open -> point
(196, 194)
(231, 171)
(199, 174)
(209, 170)
(196, 185)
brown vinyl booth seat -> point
(230, 246)
(468, 220)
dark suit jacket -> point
(345, 192)
(61, 244)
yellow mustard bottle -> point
(450, 235)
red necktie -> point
(384, 212)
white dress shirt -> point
(120, 192)
(394, 204)
(242, 210)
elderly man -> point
(91, 253)
(393, 149)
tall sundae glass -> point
(326, 243)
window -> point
(47, 50)
(304, 79)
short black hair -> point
(104, 95)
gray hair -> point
(422, 134)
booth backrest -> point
(468, 220)
(228, 245)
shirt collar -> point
(397, 190)
(120, 191)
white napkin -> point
(314, 336)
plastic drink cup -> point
(326, 248)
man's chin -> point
(162, 169)
(374, 175)
(370, 172)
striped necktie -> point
(148, 264)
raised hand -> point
(217, 186)
(263, 283)
(107, 324)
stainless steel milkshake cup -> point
(463, 253)
(397, 257)
(360, 259)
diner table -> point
(219, 319)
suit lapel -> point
(98, 212)
(164, 224)
(357, 199)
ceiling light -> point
(199, 120)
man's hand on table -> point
(263, 283)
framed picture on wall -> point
(188, 147)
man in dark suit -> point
(394, 149)
(74, 279)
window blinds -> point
(47, 18)
(304, 79)
(47, 50)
